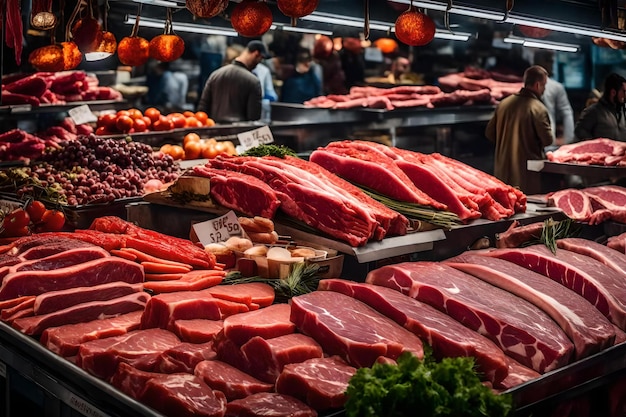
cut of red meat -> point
(595, 250)
(9, 312)
(269, 404)
(520, 329)
(243, 193)
(184, 357)
(41, 245)
(183, 395)
(575, 203)
(267, 357)
(231, 381)
(84, 312)
(602, 286)
(63, 259)
(139, 347)
(65, 340)
(319, 382)
(517, 374)
(590, 331)
(446, 336)
(98, 271)
(164, 309)
(336, 322)
(130, 380)
(593, 151)
(197, 330)
(12, 302)
(268, 322)
(58, 300)
(248, 293)
(610, 197)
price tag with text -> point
(256, 137)
(218, 229)
(82, 114)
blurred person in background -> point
(167, 89)
(605, 118)
(304, 83)
(267, 83)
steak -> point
(595, 250)
(197, 330)
(268, 322)
(617, 243)
(229, 352)
(130, 380)
(231, 381)
(83, 312)
(98, 271)
(268, 404)
(516, 375)
(184, 357)
(319, 382)
(588, 329)
(575, 203)
(602, 286)
(253, 294)
(336, 321)
(594, 151)
(65, 340)
(520, 329)
(267, 357)
(446, 336)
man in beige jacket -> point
(520, 128)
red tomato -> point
(107, 120)
(15, 222)
(53, 220)
(140, 125)
(35, 210)
(124, 123)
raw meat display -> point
(319, 382)
(231, 381)
(197, 330)
(184, 357)
(252, 294)
(335, 321)
(509, 321)
(268, 404)
(268, 322)
(592, 204)
(588, 329)
(599, 151)
(617, 243)
(602, 286)
(575, 203)
(595, 250)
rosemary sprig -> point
(554, 230)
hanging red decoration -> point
(534, 32)
(296, 8)
(323, 47)
(414, 28)
(251, 18)
(72, 56)
(206, 8)
(386, 45)
(169, 46)
(87, 34)
(47, 58)
(133, 51)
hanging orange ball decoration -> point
(133, 51)
(251, 18)
(47, 58)
(534, 32)
(297, 8)
(206, 8)
(87, 34)
(386, 45)
(414, 28)
(72, 56)
(166, 47)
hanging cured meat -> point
(14, 28)
(206, 8)
(251, 18)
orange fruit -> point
(140, 125)
(166, 149)
(193, 122)
(193, 150)
(208, 149)
(189, 113)
(135, 114)
(177, 152)
(124, 123)
(230, 147)
(209, 122)
(191, 137)
(178, 120)
(153, 113)
(202, 116)
(122, 113)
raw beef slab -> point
(319, 382)
(268, 322)
(595, 250)
(446, 336)
(336, 322)
(197, 330)
(269, 404)
(184, 357)
(590, 331)
(519, 328)
(575, 203)
(231, 381)
(602, 286)
(252, 294)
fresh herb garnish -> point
(554, 230)
(279, 151)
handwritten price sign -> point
(219, 229)
(256, 137)
(82, 114)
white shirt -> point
(558, 105)
(267, 85)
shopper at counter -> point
(606, 118)
(233, 93)
(303, 84)
(520, 128)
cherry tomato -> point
(15, 222)
(53, 220)
(35, 210)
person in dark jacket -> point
(233, 93)
(521, 128)
(303, 84)
(606, 118)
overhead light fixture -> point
(460, 10)
(180, 27)
(535, 43)
(332, 19)
(576, 30)
(299, 29)
(162, 3)
(453, 36)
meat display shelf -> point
(26, 110)
(588, 171)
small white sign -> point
(82, 114)
(256, 137)
(218, 229)
(373, 55)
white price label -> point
(218, 229)
(256, 137)
(82, 114)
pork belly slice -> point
(58, 300)
(268, 322)
(269, 404)
(602, 286)
(164, 309)
(319, 382)
(351, 329)
(95, 272)
(520, 329)
(267, 357)
(251, 294)
(602, 253)
(588, 329)
(197, 330)
(139, 348)
(65, 340)
(184, 357)
(83, 312)
(233, 382)
(446, 336)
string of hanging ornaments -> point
(251, 18)
(414, 28)
(134, 50)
